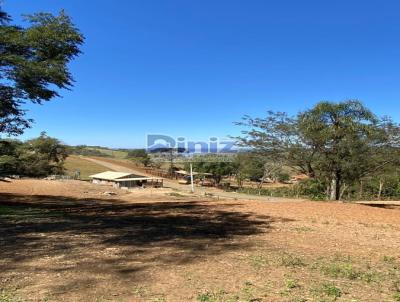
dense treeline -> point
(86, 151)
(37, 157)
(313, 189)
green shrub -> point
(291, 284)
(312, 189)
(211, 296)
(342, 270)
(328, 289)
(291, 261)
(331, 290)
(283, 177)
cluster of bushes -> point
(385, 187)
(307, 189)
(37, 157)
(370, 189)
(139, 156)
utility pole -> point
(191, 177)
(171, 163)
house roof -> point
(138, 178)
(111, 175)
(183, 172)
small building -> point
(125, 180)
(182, 174)
(127, 183)
(109, 177)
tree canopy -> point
(37, 157)
(336, 143)
(217, 168)
(139, 155)
(34, 64)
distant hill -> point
(97, 151)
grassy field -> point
(86, 167)
(111, 153)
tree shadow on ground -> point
(383, 206)
(115, 237)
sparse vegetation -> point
(175, 194)
(330, 290)
(159, 299)
(303, 229)
(246, 294)
(258, 261)
(212, 296)
(139, 291)
(344, 268)
(8, 296)
(289, 260)
(291, 284)
(388, 259)
(340, 270)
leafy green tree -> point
(42, 156)
(9, 163)
(336, 143)
(218, 169)
(33, 64)
(37, 157)
(139, 155)
(248, 166)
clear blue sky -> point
(191, 68)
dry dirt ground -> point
(67, 241)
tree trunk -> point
(260, 184)
(360, 195)
(381, 183)
(239, 181)
(335, 186)
(328, 191)
(343, 191)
